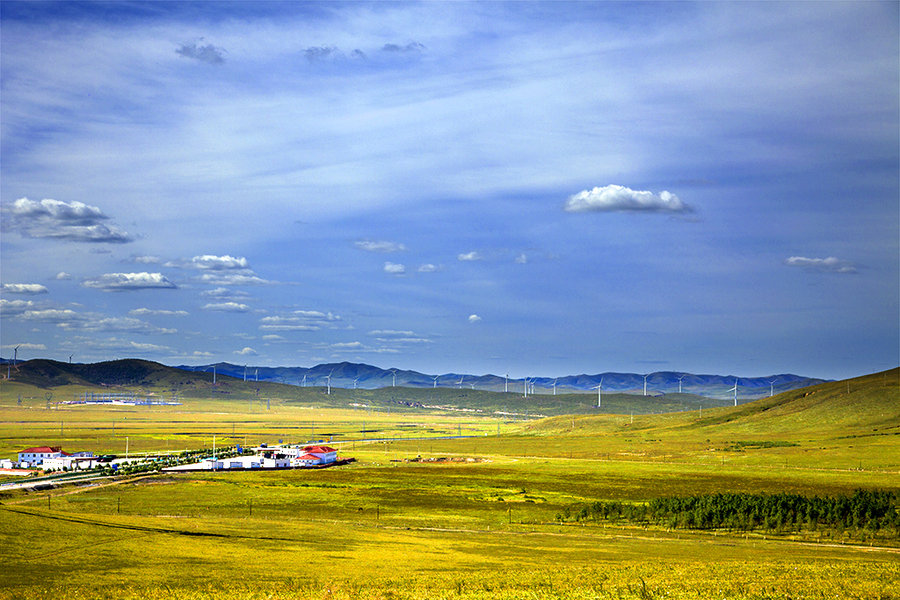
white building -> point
(36, 456)
(326, 454)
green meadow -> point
(481, 522)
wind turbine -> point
(355, 382)
(459, 385)
(734, 389)
(526, 387)
(599, 388)
(328, 382)
(772, 387)
(554, 386)
(506, 383)
(645, 383)
(680, 379)
(434, 382)
(304, 381)
(394, 376)
(70, 358)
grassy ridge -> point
(385, 528)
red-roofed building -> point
(36, 455)
(306, 460)
(326, 454)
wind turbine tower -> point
(599, 393)
(734, 389)
(680, 379)
(772, 387)
(645, 383)
(554, 386)
(506, 383)
(393, 377)
(355, 383)
(434, 382)
(459, 385)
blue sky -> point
(533, 188)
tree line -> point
(873, 510)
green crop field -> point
(483, 523)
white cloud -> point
(385, 247)
(247, 351)
(146, 260)
(219, 263)
(391, 332)
(23, 288)
(50, 315)
(222, 292)
(429, 268)
(300, 320)
(117, 282)
(142, 312)
(474, 318)
(469, 256)
(617, 198)
(227, 307)
(348, 346)
(522, 259)
(25, 346)
(394, 268)
(14, 307)
(272, 338)
(87, 322)
(824, 265)
(73, 221)
(232, 279)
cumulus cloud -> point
(14, 307)
(219, 263)
(247, 351)
(522, 259)
(385, 247)
(394, 268)
(50, 315)
(144, 312)
(823, 265)
(118, 282)
(209, 54)
(54, 219)
(618, 198)
(474, 318)
(63, 276)
(23, 288)
(469, 256)
(429, 268)
(85, 322)
(227, 307)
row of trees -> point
(865, 509)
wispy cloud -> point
(120, 282)
(232, 279)
(822, 265)
(207, 53)
(429, 268)
(54, 219)
(63, 276)
(469, 256)
(382, 246)
(23, 288)
(235, 307)
(617, 198)
(147, 312)
(300, 320)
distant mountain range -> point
(350, 375)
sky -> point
(539, 189)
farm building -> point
(37, 455)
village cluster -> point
(54, 458)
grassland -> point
(386, 528)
